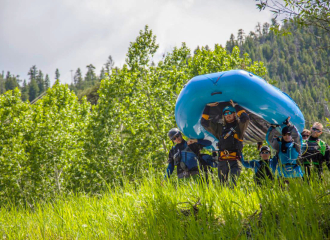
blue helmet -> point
(229, 108)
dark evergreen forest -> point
(298, 64)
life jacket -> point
(230, 146)
(187, 159)
(313, 147)
(290, 155)
(313, 151)
(288, 166)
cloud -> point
(68, 34)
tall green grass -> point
(152, 209)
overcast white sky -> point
(67, 34)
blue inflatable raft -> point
(265, 104)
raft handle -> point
(214, 93)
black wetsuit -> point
(230, 136)
(316, 154)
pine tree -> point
(77, 79)
(197, 50)
(33, 72)
(252, 34)
(109, 65)
(240, 37)
(57, 74)
(274, 22)
(2, 84)
(40, 81)
(90, 77)
(10, 83)
(102, 74)
(265, 28)
(33, 90)
(47, 82)
(25, 91)
(258, 29)
(231, 43)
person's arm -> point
(248, 164)
(271, 138)
(296, 137)
(243, 120)
(241, 113)
(213, 128)
(197, 145)
(273, 163)
(204, 142)
(169, 170)
(170, 166)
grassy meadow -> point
(151, 208)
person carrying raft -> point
(229, 132)
(185, 155)
(287, 148)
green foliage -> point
(41, 145)
(136, 104)
(16, 122)
(178, 210)
(57, 149)
(90, 94)
(62, 144)
(140, 52)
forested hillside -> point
(299, 64)
(38, 82)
